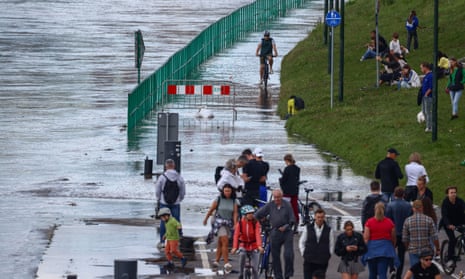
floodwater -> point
(67, 67)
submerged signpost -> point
(333, 19)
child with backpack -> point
(171, 237)
(247, 239)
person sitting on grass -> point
(391, 71)
(409, 78)
(171, 237)
(248, 239)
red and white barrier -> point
(199, 89)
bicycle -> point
(266, 71)
(308, 208)
(459, 250)
(248, 268)
(264, 263)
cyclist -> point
(266, 48)
(453, 215)
(248, 239)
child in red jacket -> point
(248, 240)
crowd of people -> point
(395, 220)
(398, 72)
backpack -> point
(170, 190)
(218, 173)
(299, 103)
(369, 210)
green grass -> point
(368, 121)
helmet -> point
(164, 211)
(266, 34)
(247, 209)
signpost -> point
(139, 49)
(333, 19)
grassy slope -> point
(367, 122)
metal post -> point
(341, 55)
(434, 135)
(325, 28)
(377, 41)
(332, 65)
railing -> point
(218, 36)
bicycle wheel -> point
(444, 258)
(312, 207)
(247, 273)
(269, 268)
(266, 75)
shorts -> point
(224, 231)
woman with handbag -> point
(455, 86)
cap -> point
(258, 152)
(426, 253)
(417, 204)
(393, 150)
(164, 211)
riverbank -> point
(370, 120)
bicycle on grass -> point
(307, 209)
(459, 250)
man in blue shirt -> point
(427, 93)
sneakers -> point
(170, 265)
(215, 264)
(450, 263)
(183, 261)
(392, 274)
(161, 245)
(361, 59)
(428, 130)
(227, 267)
(271, 71)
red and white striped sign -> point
(199, 89)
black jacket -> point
(289, 182)
(343, 240)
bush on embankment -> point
(370, 120)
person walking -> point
(316, 245)
(412, 24)
(248, 239)
(421, 191)
(368, 205)
(455, 85)
(263, 191)
(388, 171)
(281, 218)
(289, 183)
(380, 237)
(417, 233)
(413, 170)
(427, 95)
(226, 215)
(398, 211)
(350, 246)
(453, 215)
(165, 193)
(171, 237)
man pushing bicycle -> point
(266, 48)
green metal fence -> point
(218, 36)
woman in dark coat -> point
(350, 246)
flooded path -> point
(66, 158)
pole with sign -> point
(140, 49)
(333, 19)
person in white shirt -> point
(413, 170)
(316, 245)
(394, 45)
(409, 78)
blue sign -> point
(333, 18)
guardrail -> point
(148, 95)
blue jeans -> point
(387, 197)
(175, 212)
(454, 99)
(414, 259)
(427, 108)
(370, 53)
(378, 267)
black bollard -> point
(148, 167)
(72, 276)
(125, 269)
